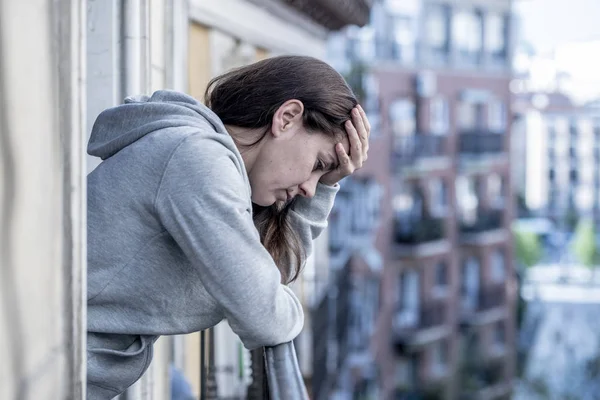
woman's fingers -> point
(355, 144)
(343, 157)
(365, 120)
(361, 123)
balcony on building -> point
(480, 143)
(487, 225)
(420, 152)
(487, 305)
(419, 237)
(486, 379)
(415, 328)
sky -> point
(547, 23)
(569, 32)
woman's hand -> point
(358, 130)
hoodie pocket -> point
(115, 362)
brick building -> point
(434, 76)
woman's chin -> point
(264, 202)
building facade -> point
(561, 158)
(434, 76)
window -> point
(499, 334)
(407, 200)
(441, 274)
(466, 199)
(470, 284)
(495, 188)
(403, 123)
(403, 117)
(439, 195)
(439, 357)
(497, 116)
(495, 38)
(436, 27)
(470, 115)
(404, 39)
(439, 116)
(573, 176)
(467, 32)
(408, 314)
(498, 266)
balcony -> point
(485, 220)
(489, 306)
(478, 144)
(411, 151)
(275, 372)
(419, 237)
(492, 297)
(413, 329)
(331, 330)
(484, 379)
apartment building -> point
(560, 157)
(435, 79)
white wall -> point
(42, 271)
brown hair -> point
(249, 96)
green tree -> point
(527, 248)
(584, 244)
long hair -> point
(249, 96)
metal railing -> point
(491, 297)
(330, 319)
(478, 143)
(409, 149)
(275, 372)
(430, 314)
(486, 220)
(419, 231)
(284, 379)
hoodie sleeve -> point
(204, 203)
(309, 216)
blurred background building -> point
(434, 76)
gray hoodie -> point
(172, 247)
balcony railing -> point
(406, 334)
(487, 298)
(284, 378)
(486, 220)
(492, 296)
(417, 232)
(478, 374)
(409, 149)
(275, 372)
(480, 143)
(330, 321)
(430, 315)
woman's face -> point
(290, 160)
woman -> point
(201, 213)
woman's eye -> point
(319, 166)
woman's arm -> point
(204, 203)
(308, 217)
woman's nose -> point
(308, 188)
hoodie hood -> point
(118, 127)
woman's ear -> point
(288, 117)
